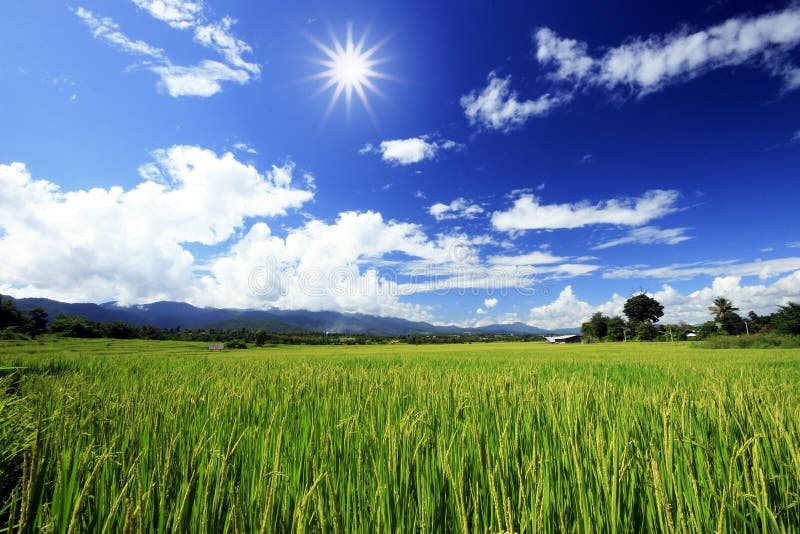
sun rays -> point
(349, 69)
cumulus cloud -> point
(182, 234)
(528, 213)
(763, 269)
(101, 243)
(648, 235)
(568, 310)
(203, 79)
(761, 298)
(411, 150)
(497, 107)
(490, 302)
(460, 208)
(648, 64)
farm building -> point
(571, 338)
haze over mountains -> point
(186, 316)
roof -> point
(555, 339)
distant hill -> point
(522, 329)
(179, 314)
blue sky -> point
(521, 162)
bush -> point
(754, 341)
(236, 344)
(646, 331)
(13, 335)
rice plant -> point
(135, 436)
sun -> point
(349, 68)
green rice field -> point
(149, 436)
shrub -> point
(755, 341)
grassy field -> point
(136, 436)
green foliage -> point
(787, 319)
(71, 326)
(16, 431)
(10, 316)
(616, 328)
(759, 341)
(645, 331)
(707, 329)
(721, 309)
(641, 308)
(260, 337)
(596, 328)
(38, 321)
(733, 324)
(759, 323)
(149, 436)
(236, 344)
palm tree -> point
(721, 308)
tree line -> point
(643, 312)
(17, 324)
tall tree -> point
(38, 321)
(787, 319)
(616, 329)
(596, 327)
(641, 308)
(260, 337)
(10, 316)
(721, 308)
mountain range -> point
(180, 314)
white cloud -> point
(411, 150)
(528, 213)
(796, 137)
(460, 208)
(791, 78)
(533, 258)
(106, 29)
(497, 107)
(761, 298)
(130, 245)
(244, 147)
(490, 302)
(568, 311)
(649, 64)
(649, 235)
(793, 244)
(420, 194)
(480, 311)
(763, 269)
(218, 37)
(544, 266)
(203, 79)
(642, 65)
(100, 243)
(179, 14)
